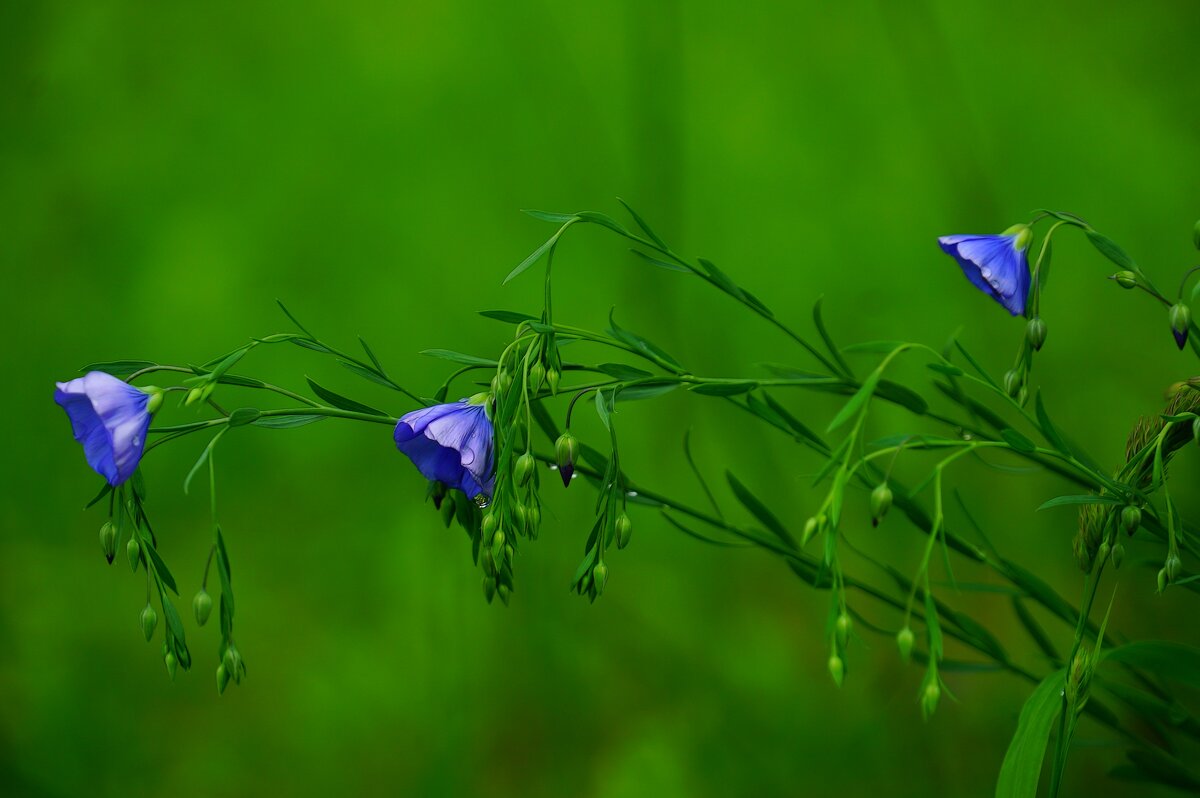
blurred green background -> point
(168, 170)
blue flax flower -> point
(110, 418)
(995, 264)
(451, 444)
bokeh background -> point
(168, 170)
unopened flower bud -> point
(1173, 567)
(172, 664)
(108, 541)
(1181, 320)
(222, 679)
(624, 530)
(537, 374)
(566, 449)
(904, 641)
(552, 378)
(523, 469)
(1162, 579)
(810, 529)
(134, 551)
(202, 606)
(534, 520)
(1196, 430)
(1131, 519)
(1035, 332)
(1118, 554)
(193, 396)
(881, 502)
(929, 698)
(1196, 235)
(1022, 396)
(498, 547)
(156, 398)
(488, 525)
(842, 629)
(230, 661)
(489, 588)
(1012, 382)
(600, 577)
(509, 552)
(1126, 279)
(447, 511)
(504, 592)
(1103, 551)
(149, 620)
(837, 669)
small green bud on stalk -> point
(230, 661)
(810, 529)
(156, 398)
(1196, 235)
(509, 552)
(1196, 430)
(533, 522)
(488, 525)
(522, 513)
(624, 530)
(1131, 519)
(1181, 320)
(929, 698)
(222, 679)
(149, 619)
(489, 588)
(193, 396)
(537, 374)
(495, 385)
(566, 450)
(1035, 332)
(1118, 554)
(134, 551)
(600, 577)
(523, 469)
(552, 378)
(505, 593)
(904, 641)
(1012, 382)
(172, 664)
(1079, 679)
(1162, 579)
(1103, 552)
(837, 669)
(202, 606)
(1173, 567)
(108, 541)
(842, 628)
(1022, 396)
(498, 547)
(1126, 279)
(881, 502)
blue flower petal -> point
(110, 418)
(450, 443)
(994, 264)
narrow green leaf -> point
(368, 375)
(458, 357)
(370, 354)
(875, 347)
(902, 395)
(819, 322)
(1017, 441)
(507, 316)
(641, 223)
(341, 402)
(646, 390)
(796, 425)
(662, 264)
(286, 422)
(1047, 426)
(860, 398)
(547, 216)
(1034, 629)
(622, 371)
(1109, 249)
(119, 368)
(1090, 498)
(724, 388)
(759, 510)
(602, 409)
(104, 491)
(243, 416)
(1168, 660)
(1022, 766)
(537, 254)
(603, 220)
(949, 369)
(638, 342)
(204, 455)
(160, 567)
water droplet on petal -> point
(482, 500)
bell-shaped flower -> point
(995, 264)
(110, 418)
(452, 444)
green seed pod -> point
(193, 396)
(488, 526)
(881, 502)
(1173, 567)
(149, 620)
(624, 530)
(505, 592)
(489, 588)
(600, 576)
(1118, 554)
(222, 679)
(202, 606)
(172, 664)
(1035, 332)
(230, 661)
(1131, 519)
(108, 541)
(904, 641)
(1012, 382)
(134, 551)
(1102, 552)
(837, 669)
(1126, 279)
(552, 378)
(929, 698)
(842, 629)
(810, 529)
(537, 374)
(523, 469)
(1162, 579)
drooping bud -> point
(624, 530)
(156, 398)
(537, 374)
(904, 641)
(842, 629)
(202, 606)
(1173, 567)
(505, 592)
(1126, 279)
(837, 669)
(489, 588)
(1103, 551)
(488, 526)
(1162, 579)
(1035, 332)
(552, 378)
(172, 664)
(230, 661)
(523, 469)
(222, 679)
(1131, 519)
(929, 698)
(534, 521)
(881, 502)
(447, 511)
(600, 577)
(810, 529)
(1118, 554)
(1196, 430)
(1181, 319)
(1079, 678)
(108, 541)
(193, 396)
(149, 619)
(566, 449)
(134, 551)
(498, 547)
(1012, 382)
